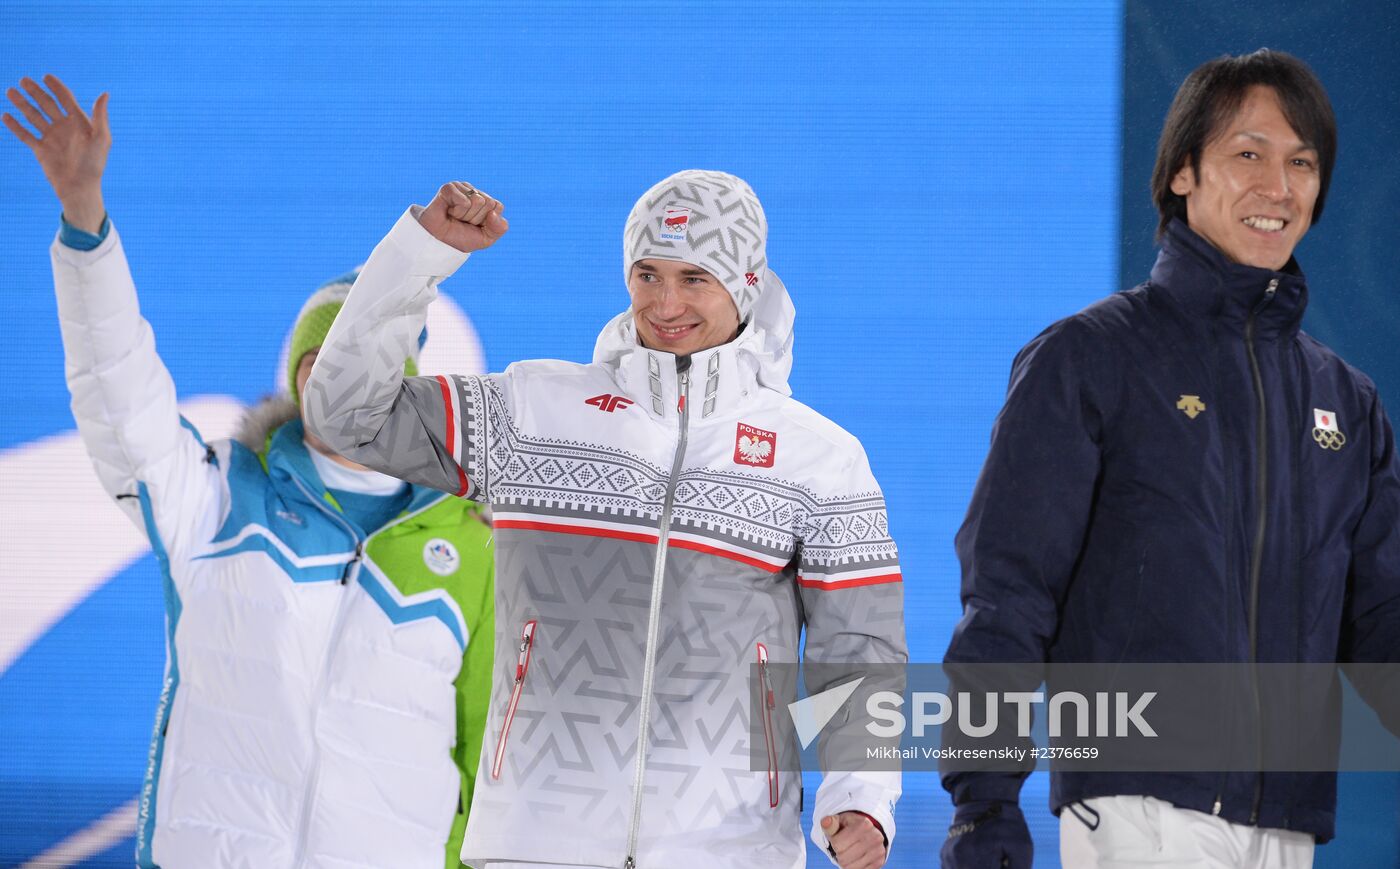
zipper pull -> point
(350, 565)
(685, 390)
(763, 675)
(1271, 288)
(527, 636)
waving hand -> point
(71, 147)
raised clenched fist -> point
(464, 217)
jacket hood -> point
(763, 348)
(262, 419)
(261, 431)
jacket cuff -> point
(426, 255)
(80, 239)
(68, 250)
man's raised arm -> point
(357, 399)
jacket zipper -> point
(352, 571)
(1256, 561)
(1256, 564)
(658, 579)
(766, 700)
(522, 666)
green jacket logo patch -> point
(441, 557)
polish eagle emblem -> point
(754, 446)
(754, 449)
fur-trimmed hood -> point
(262, 419)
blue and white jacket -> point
(321, 703)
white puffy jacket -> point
(319, 676)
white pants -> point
(1145, 831)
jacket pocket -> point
(767, 704)
(522, 666)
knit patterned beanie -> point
(708, 219)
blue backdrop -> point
(942, 180)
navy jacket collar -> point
(1200, 279)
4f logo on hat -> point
(674, 223)
(1325, 430)
(755, 447)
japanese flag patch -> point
(755, 447)
(1326, 432)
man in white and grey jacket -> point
(666, 517)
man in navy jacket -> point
(1180, 475)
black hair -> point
(1210, 97)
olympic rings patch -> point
(1329, 439)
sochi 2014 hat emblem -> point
(1325, 430)
(674, 223)
(755, 447)
(441, 557)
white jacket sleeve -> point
(427, 430)
(853, 603)
(150, 460)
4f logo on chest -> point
(609, 403)
(755, 447)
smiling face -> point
(680, 308)
(1253, 196)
